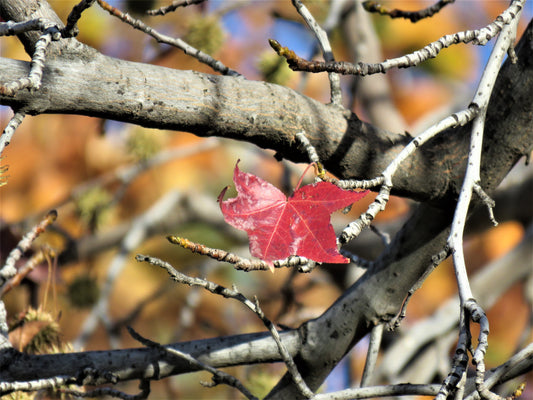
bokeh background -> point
(69, 163)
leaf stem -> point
(303, 174)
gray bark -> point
(79, 80)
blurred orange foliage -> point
(51, 155)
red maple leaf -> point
(278, 227)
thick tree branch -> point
(83, 81)
(209, 105)
(206, 105)
(217, 352)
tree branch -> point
(217, 352)
(209, 105)
(82, 81)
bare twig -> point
(236, 295)
(488, 285)
(106, 391)
(218, 376)
(308, 147)
(360, 262)
(457, 119)
(10, 129)
(350, 184)
(487, 200)
(355, 228)
(221, 255)
(509, 370)
(343, 184)
(384, 236)
(11, 28)
(472, 310)
(380, 391)
(240, 263)
(477, 315)
(323, 41)
(374, 92)
(38, 384)
(71, 29)
(478, 37)
(41, 256)
(176, 42)
(172, 7)
(413, 16)
(454, 381)
(435, 262)
(4, 329)
(8, 270)
(372, 354)
(287, 358)
(50, 32)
